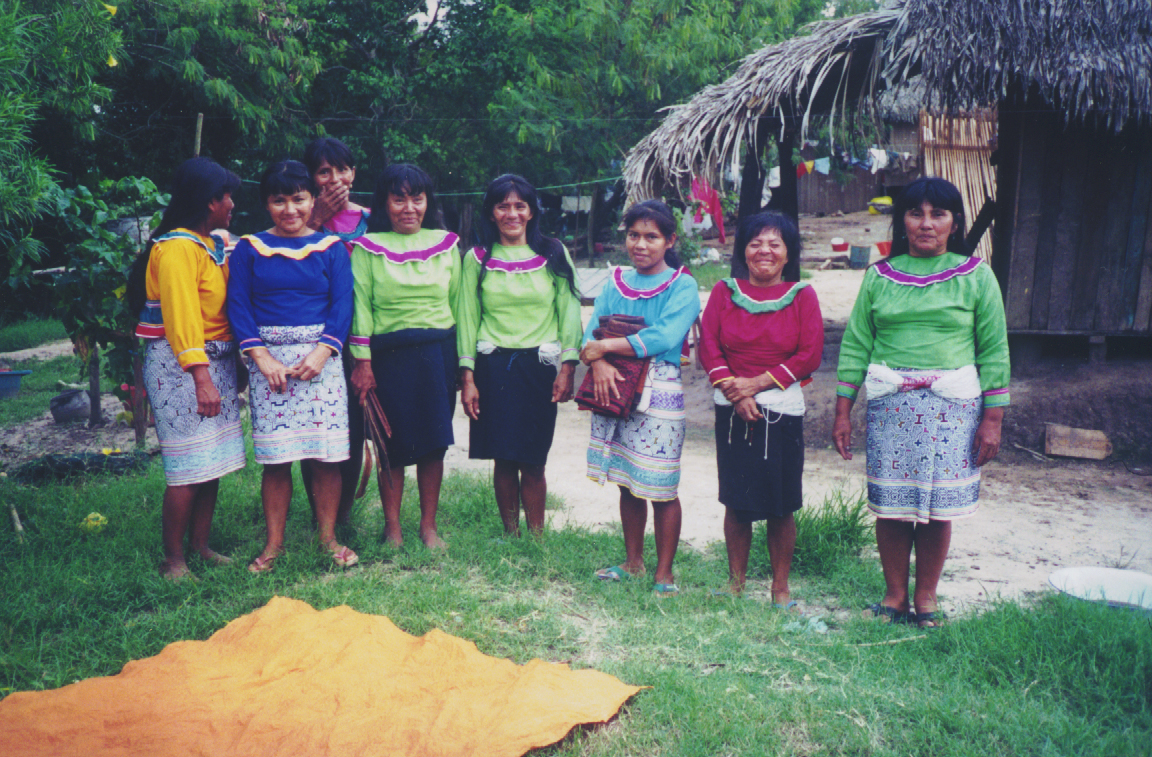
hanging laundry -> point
(879, 159)
(774, 177)
(709, 200)
(822, 165)
(801, 169)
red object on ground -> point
(884, 248)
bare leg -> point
(894, 540)
(781, 545)
(506, 481)
(349, 478)
(326, 494)
(429, 476)
(176, 514)
(533, 493)
(390, 498)
(932, 541)
(276, 494)
(633, 519)
(666, 521)
(738, 540)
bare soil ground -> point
(1036, 515)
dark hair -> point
(402, 179)
(286, 178)
(488, 235)
(754, 225)
(941, 193)
(327, 150)
(661, 215)
(195, 185)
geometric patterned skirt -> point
(642, 451)
(194, 449)
(920, 464)
(309, 420)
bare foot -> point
(393, 539)
(215, 558)
(432, 540)
(175, 570)
(781, 597)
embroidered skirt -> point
(309, 420)
(195, 449)
(415, 372)
(642, 452)
(760, 477)
(920, 465)
(517, 414)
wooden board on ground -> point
(1075, 442)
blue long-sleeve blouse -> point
(669, 301)
(290, 281)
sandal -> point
(785, 605)
(262, 563)
(933, 619)
(666, 590)
(615, 573)
(888, 614)
(343, 556)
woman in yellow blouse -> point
(179, 286)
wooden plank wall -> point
(959, 148)
(1079, 203)
(821, 194)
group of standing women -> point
(336, 301)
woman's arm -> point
(842, 427)
(468, 314)
(567, 317)
(178, 275)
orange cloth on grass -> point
(289, 680)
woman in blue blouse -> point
(641, 452)
(290, 304)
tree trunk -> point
(591, 224)
(139, 404)
(95, 417)
(466, 241)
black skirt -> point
(517, 414)
(759, 480)
(415, 371)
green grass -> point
(727, 676)
(40, 386)
(31, 333)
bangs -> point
(328, 150)
(407, 180)
(286, 178)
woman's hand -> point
(592, 352)
(986, 443)
(842, 427)
(207, 397)
(274, 371)
(748, 410)
(564, 386)
(469, 394)
(363, 380)
(604, 378)
(313, 364)
(332, 199)
(741, 388)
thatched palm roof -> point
(1090, 58)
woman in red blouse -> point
(761, 340)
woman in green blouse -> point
(928, 340)
(406, 275)
(519, 340)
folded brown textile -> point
(633, 369)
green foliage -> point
(90, 293)
(598, 71)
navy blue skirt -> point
(415, 372)
(760, 478)
(517, 414)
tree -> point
(598, 71)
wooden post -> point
(466, 236)
(95, 417)
(199, 130)
(591, 223)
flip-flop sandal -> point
(666, 590)
(786, 606)
(262, 564)
(888, 614)
(345, 557)
(929, 620)
(615, 573)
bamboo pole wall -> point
(958, 148)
